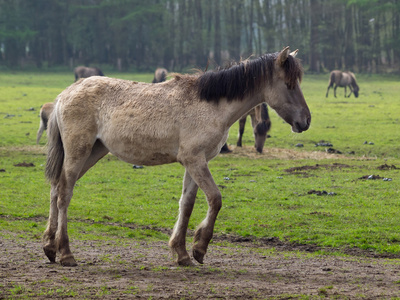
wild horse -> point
(85, 72)
(45, 112)
(343, 79)
(185, 120)
(261, 125)
(160, 75)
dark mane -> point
(245, 78)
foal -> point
(184, 120)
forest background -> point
(134, 35)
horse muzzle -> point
(299, 127)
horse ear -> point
(294, 53)
(283, 55)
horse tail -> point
(55, 152)
(331, 79)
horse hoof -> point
(50, 253)
(186, 262)
(199, 256)
(68, 261)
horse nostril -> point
(308, 121)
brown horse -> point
(261, 125)
(343, 79)
(160, 75)
(185, 119)
(84, 72)
(45, 112)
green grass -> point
(114, 201)
(345, 122)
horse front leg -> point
(351, 90)
(49, 243)
(177, 241)
(242, 123)
(204, 232)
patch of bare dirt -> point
(281, 153)
(387, 167)
(239, 270)
(24, 164)
(317, 166)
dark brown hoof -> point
(186, 262)
(68, 261)
(225, 149)
(51, 254)
(199, 256)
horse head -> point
(354, 85)
(285, 95)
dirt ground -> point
(235, 268)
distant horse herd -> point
(185, 119)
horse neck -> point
(231, 111)
(353, 82)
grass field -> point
(261, 197)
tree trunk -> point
(314, 36)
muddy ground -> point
(240, 269)
(235, 268)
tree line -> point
(358, 35)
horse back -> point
(335, 77)
(140, 123)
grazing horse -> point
(343, 79)
(261, 125)
(45, 112)
(160, 75)
(84, 72)
(185, 120)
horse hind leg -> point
(55, 237)
(334, 90)
(177, 241)
(90, 155)
(77, 161)
(49, 243)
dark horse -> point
(261, 125)
(160, 75)
(343, 79)
(185, 120)
(84, 72)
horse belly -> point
(140, 151)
